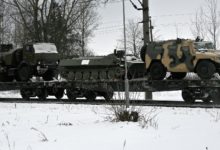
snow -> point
(45, 48)
(85, 127)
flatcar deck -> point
(138, 85)
(205, 90)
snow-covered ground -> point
(82, 127)
(176, 95)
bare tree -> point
(47, 21)
(213, 20)
(206, 23)
(198, 27)
(1, 21)
(134, 37)
(87, 23)
(5, 24)
(52, 21)
(134, 32)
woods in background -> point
(67, 23)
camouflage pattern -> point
(181, 55)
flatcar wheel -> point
(205, 69)
(108, 95)
(42, 94)
(216, 96)
(70, 94)
(207, 100)
(187, 96)
(90, 96)
(24, 94)
(23, 73)
(178, 75)
(59, 94)
(157, 71)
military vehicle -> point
(179, 57)
(40, 59)
(99, 68)
(136, 67)
(92, 68)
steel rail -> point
(153, 103)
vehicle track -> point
(155, 103)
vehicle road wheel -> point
(48, 75)
(90, 96)
(157, 71)
(71, 95)
(205, 69)
(59, 94)
(187, 96)
(23, 73)
(178, 75)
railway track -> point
(155, 103)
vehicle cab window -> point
(203, 46)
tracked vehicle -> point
(100, 69)
(180, 57)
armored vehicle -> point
(180, 57)
(40, 59)
(92, 68)
(108, 67)
(136, 67)
(100, 69)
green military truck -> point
(180, 57)
(39, 59)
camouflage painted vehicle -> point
(40, 59)
(180, 57)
